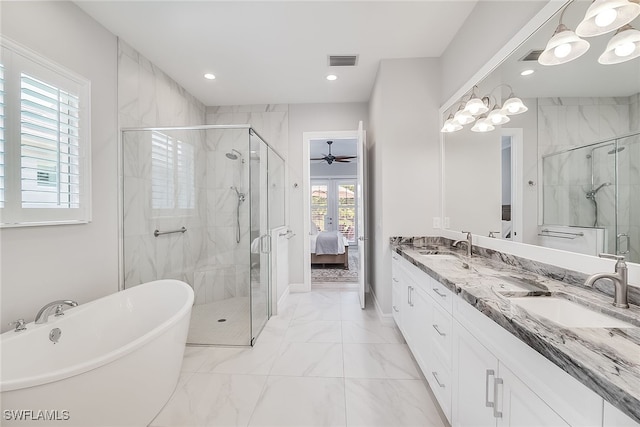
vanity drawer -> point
(439, 378)
(442, 295)
(441, 334)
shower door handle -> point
(626, 236)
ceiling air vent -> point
(532, 55)
(343, 60)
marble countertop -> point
(607, 360)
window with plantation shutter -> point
(45, 144)
(172, 173)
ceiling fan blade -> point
(346, 157)
(342, 160)
(319, 158)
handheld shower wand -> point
(241, 198)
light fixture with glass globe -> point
(604, 16)
(483, 125)
(451, 125)
(623, 46)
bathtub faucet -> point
(43, 314)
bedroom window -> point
(333, 206)
(44, 141)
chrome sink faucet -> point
(619, 278)
(469, 242)
(43, 314)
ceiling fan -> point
(330, 158)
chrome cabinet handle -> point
(442, 334)
(396, 309)
(435, 375)
(394, 279)
(411, 296)
(489, 373)
(497, 382)
(439, 294)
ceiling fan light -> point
(604, 16)
(513, 106)
(463, 117)
(563, 47)
(623, 46)
(483, 125)
(498, 117)
(475, 106)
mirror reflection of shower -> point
(235, 155)
(591, 194)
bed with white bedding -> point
(329, 247)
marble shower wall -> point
(147, 97)
(566, 123)
(271, 122)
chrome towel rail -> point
(564, 234)
(157, 233)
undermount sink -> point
(436, 254)
(568, 313)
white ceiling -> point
(276, 51)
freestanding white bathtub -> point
(116, 363)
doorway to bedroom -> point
(334, 195)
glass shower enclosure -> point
(597, 186)
(198, 205)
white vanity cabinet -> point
(613, 417)
(422, 311)
(480, 373)
(487, 393)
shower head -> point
(233, 154)
(614, 150)
(592, 194)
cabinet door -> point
(474, 376)
(420, 317)
(519, 406)
(613, 417)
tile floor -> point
(321, 362)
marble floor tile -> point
(385, 403)
(320, 297)
(309, 360)
(212, 400)
(384, 361)
(315, 331)
(370, 332)
(301, 401)
(256, 360)
(354, 313)
(317, 311)
(194, 357)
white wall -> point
(80, 262)
(489, 26)
(404, 157)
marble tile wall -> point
(271, 123)
(147, 97)
(565, 123)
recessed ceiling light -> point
(209, 76)
(527, 72)
(332, 77)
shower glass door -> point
(260, 234)
(627, 236)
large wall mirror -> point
(565, 174)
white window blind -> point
(172, 173)
(49, 128)
(44, 141)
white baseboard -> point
(385, 319)
(282, 299)
(297, 287)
